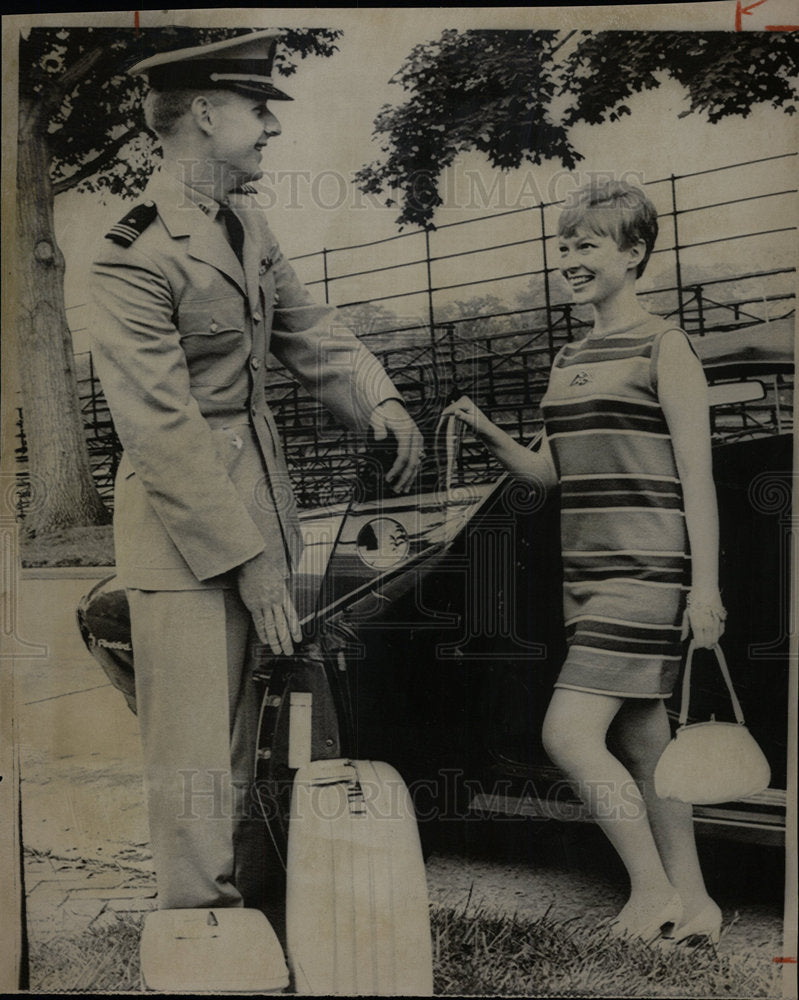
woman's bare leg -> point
(641, 732)
(574, 733)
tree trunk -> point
(63, 492)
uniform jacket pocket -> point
(214, 340)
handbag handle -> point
(453, 429)
(725, 673)
(453, 432)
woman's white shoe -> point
(668, 915)
(706, 924)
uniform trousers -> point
(198, 712)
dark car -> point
(434, 628)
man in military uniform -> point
(192, 293)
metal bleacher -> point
(501, 356)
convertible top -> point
(764, 349)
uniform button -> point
(256, 317)
(214, 327)
(255, 363)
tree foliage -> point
(514, 95)
(367, 318)
(475, 316)
(484, 90)
(723, 72)
(90, 106)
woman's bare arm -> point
(536, 467)
(682, 390)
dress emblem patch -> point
(582, 377)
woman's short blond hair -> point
(612, 208)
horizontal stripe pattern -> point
(596, 485)
(574, 501)
(625, 637)
(624, 675)
(625, 564)
(612, 566)
(604, 415)
(588, 352)
(630, 491)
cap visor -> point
(264, 90)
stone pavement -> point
(67, 896)
(84, 827)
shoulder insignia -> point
(130, 228)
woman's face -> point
(594, 267)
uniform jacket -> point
(181, 337)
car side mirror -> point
(724, 393)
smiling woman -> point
(627, 433)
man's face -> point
(242, 127)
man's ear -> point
(203, 112)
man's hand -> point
(391, 416)
(265, 594)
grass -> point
(102, 959)
(92, 546)
(474, 953)
(484, 954)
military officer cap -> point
(243, 64)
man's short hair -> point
(615, 209)
(163, 109)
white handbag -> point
(709, 762)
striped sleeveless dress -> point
(623, 536)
